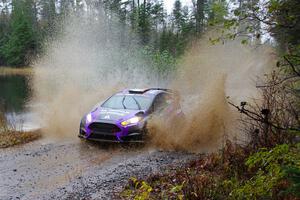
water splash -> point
(92, 60)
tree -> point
(48, 14)
(177, 15)
(21, 43)
(4, 26)
(144, 22)
(199, 15)
(157, 15)
(24, 24)
(66, 7)
(217, 12)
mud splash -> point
(208, 77)
(92, 60)
(84, 66)
(203, 128)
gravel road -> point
(77, 170)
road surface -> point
(77, 170)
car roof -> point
(146, 91)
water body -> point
(14, 93)
(14, 97)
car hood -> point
(113, 114)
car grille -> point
(98, 127)
(103, 137)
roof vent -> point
(137, 91)
(142, 91)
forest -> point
(25, 25)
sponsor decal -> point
(106, 117)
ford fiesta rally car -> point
(123, 117)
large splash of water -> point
(208, 77)
(92, 60)
(89, 62)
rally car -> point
(123, 117)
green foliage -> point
(286, 16)
(21, 41)
(144, 190)
(277, 18)
(293, 176)
(269, 172)
(24, 27)
(234, 173)
(218, 12)
(178, 15)
(163, 62)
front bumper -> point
(133, 134)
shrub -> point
(269, 173)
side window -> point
(160, 102)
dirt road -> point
(77, 170)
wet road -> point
(76, 169)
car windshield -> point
(131, 102)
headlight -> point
(89, 118)
(132, 120)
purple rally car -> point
(123, 116)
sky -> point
(170, 3)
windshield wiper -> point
(137, 103)
(123, 102)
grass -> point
(6, 71)
(9, 136)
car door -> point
(161, 103)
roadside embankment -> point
(6, 71)
(11, 135)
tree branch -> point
(291, 65)
(279, 82)
(259, 118)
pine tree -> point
(199, 16)
(22, 39)
(48, 17)
(144, 26)
(4, 26)
(177, 15)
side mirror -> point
(140, 114)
